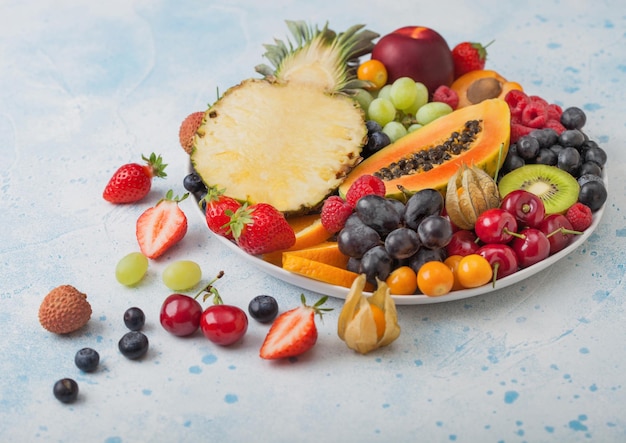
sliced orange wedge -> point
(309, 232)
(317, 270)
(326, 252)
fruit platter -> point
(411, 164)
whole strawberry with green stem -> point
(260, 228)
(469, 56)
(216, 206)
(132, 181)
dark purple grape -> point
(376, 263)
(569, 160)
(435, 232)
(571, 138)
(591, 168)
(596, 155)
(527, 147)
(398, 205)
(573, 118)
(546, 137)
(378, 213)
(373, 126)
(425, 255)
(402, 243)
(422, 204)
(546, 156)
(592, 194)
(354, 265)
(356, 239)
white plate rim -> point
(342, 292)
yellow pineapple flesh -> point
(286, 144)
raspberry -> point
(554, 112)
(535, 114)
(579, 215)
(537, 99)
(518, 130)
(517, 101)
(446, 95)
(556, 125)
(335, 212)
(365, 185)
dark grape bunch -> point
(572, 151)
(376, 139)
(383, 234)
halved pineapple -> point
(288, 139)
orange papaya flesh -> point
(475, 86)
(489, 134)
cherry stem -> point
(563, 231)
(495, 268)
(211, 291)
(514, 234)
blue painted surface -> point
(85, 88)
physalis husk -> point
(357, 324)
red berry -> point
(517, 101)
(224, 324)
(556, 125)
(535, 114)
(180, 315)
(365, 185)
(335, 212)
(446, 95)
(132, 181)
(526, 207)
(579, 215)
(554, 112)
(469, 56)
(519, 130)
(531, 246)
(217, 212)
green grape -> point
(420, 100)
(403, 93)
(131, 268)
(363, 98)
(384, 92)
(181, 275)
(432, 111)
(394, 130)
(382, 111)
(413, 127)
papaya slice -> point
(476, 135)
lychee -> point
(65, 309)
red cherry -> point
(224, 324)
(502, 259)
(463, 242)
(180, 315)
(531, 247)
(526, 207)
(559, 231)
(495, 226)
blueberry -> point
(133, 345)
(527, 147)
(263, 308)
(193, 183)
(592, 194)
(546, 157)
(585, 178)
(569, 160)
(134, 319)
(573, 118)
(596, 155)
(571, 138)
(590, 168)
(546, 137)
(65, 390)
(87, 359)
(512, 162)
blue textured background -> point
(86, 87)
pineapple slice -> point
(289, 145)
(290, 138)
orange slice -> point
(309, 232)
(326, 252)
(317, 270)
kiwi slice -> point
(557, 189)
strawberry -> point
(188, 129)
(293, 332)
(469, 56)
(215, 213)
(162, 226)
(260, 228)
(132, 181)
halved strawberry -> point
(162, 226)
(132, 181)
(293, 332)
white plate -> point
(341, 292)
